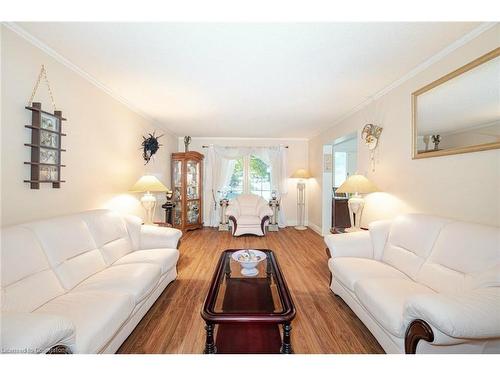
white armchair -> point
(249, 214)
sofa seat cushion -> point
(97, 316)
(351, 270)
(137, 279)
(248, 220)
(385, 299)
(166, 259)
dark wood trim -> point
(59, 349)
(329, 255)
(48, 147)
(45, 130)
(263, 224)
(417, 330)
(50, 165)
(235, 224)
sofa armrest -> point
(356, 244)
(233, 210)
(473, 314)
(265, 210)
(25, 333)
(153, 237)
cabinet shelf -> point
(50, 148)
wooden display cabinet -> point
(187, 186)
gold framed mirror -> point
(459, 112)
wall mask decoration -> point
(150, 146)
(46, 136)
(371, 134)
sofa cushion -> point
(110, 234)
(137, 280)
(350, 270)
(97, 316)
(27, 280)
(70, 248)
(30, 333)
(411, 240)
(164, 258)
(463, 257)
(385, 300)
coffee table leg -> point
(286, 347)
(209, 342)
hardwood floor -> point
(323, 324)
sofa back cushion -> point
(465, 256)
(27, 280)
(410, 241)
(70, 248)
(110, 234)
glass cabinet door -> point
(193, 191)
(193, 179)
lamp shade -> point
(301, 173)
(148, 183)
(357, 184)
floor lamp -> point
(302, 175)
(148, 184)
(357, 184)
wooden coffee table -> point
(248, 310)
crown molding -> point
(82, 73)
(412, 73)
(246, 138)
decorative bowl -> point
(249, 259)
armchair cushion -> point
(153, 237)
(466, 315)
(28, 333)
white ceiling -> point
(247, 80)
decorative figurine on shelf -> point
(187, 141)
(371, 134)
(150, 146)
(274, 203)
(223, 202)
(169, 207)
(436, 139)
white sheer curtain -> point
(220, 167)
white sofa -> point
(249, 214)
(421, 283)
(82, 281)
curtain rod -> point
(206, 146)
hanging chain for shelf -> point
(43, 73)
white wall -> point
(297, 158)
(465, 186)
(103, 139)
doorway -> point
(340, 160)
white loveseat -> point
(421, 283)
(82, 281)
(249, 214)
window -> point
(250, 175)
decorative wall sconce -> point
(371, 134)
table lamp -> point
(148, 184)
(357, 184)
(302, 175)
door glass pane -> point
(340, 168)
(260, 177)
(178, 214)
(193, 212)
(177, 180)
(193, 179)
